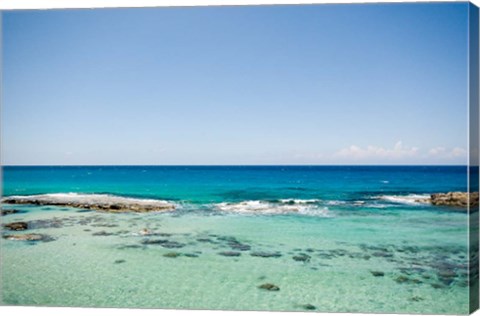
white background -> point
(46, 4)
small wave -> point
(298, 201)
(411, 199)
(336, 202)
(264, 207)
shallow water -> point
(362, 254)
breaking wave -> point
(284, 206)
(410, 199)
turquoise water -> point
(340, 239)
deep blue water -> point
(209, 184)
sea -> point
(276, 238)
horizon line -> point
(239, 165)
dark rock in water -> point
(463, 283)
(119, 261)
(458, 199)
(447, 281)
(130, 247)
(105, 225)
(229, 253)
(102, 233)
(269, 287)
(227, 238)
(377, 273)
(339, 252)
(161, 234)
(10, 212)
(382, 254)
(309, 307)
(302, 257)
(447, 274)
(205, 240)
(325, 256)
(172, 244)
(437, 286)
(402, 279)
(114, 204)
(30, 237)
(265, 254)
(171, 254)
(416, 299)
(191, 255)
(239, 246)
(233, 243)
(38, 224)
(16, 226)
(155, 241)
(84, 211)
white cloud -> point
(399, 151)
(437, 151)
(442, 152)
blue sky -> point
(321, 84)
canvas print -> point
(315, 158)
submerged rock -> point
(155, 241)
(447, 274)
(172, 244)
(130, 247)
(302, 257)
(239, 246)
(41, 223)
(29, 237)
(102, 233)
(205, 240)
(171, 254)
(16, 226)
(265, 254)
(377, 273)
(269, 287)
(416, 299)
(402, 279)
(163, 242)
(309, 307)
(229, 253)
(10, 212)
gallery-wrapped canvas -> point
(316, 158)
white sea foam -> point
(336, 202)
(410, 199)
(298, 201)
(284, 207)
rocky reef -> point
(98, 202)
(451, 199)
(458, 199)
